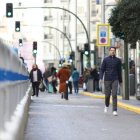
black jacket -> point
(111, 69)
(39, 75)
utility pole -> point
(125, 94)
(103, 21)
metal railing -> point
(14, 94)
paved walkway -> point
(80, 118)
(132, 104)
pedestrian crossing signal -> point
(9, 10)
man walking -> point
(111, 70)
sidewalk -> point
(132, 104)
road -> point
(79, 118)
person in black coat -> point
(94, 74)
(111, 71)
(35, 77)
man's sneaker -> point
(115, 113)
(105, 109)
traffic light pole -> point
(88, 40)
(58, 31)
(125, 94)
(34, 58)
(55, 48)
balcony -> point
(64, 0)
(47, 1)
(48, 18)
(48, 36)
(67, 34)
(65, 17)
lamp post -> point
(88, 40)
(59, 31)
(54, 47)
(62, 33)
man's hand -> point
(100, 84)
(100, 81)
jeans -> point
(76, 86)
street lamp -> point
(87, 35)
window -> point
(47, 18)
(47, 1)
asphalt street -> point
(79, 118)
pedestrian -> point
(86, 75)
(35, 77)
(95, 77)
(75, 77)
(70, 85)
(46, 75)
(54, 79)
(111, 70)
(63, 75)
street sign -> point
(103, 35)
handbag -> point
(50, 88)
(49, 79)
(41, 86)
(84, 86)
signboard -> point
(103, 35)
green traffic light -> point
(34, 51)
(17, 29)
(60, 65)
(9, 10)
(9, 14)
(86, 52)
(17, 26)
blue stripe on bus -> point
(6, 75)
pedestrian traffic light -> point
(34, 47)
(86, 49)
(9, 10)
(20, 42)
(17, 26)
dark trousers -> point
(76, 86)
(35, 86)
(54, 86)
(111, 87)
(95, 85)
(70, 87)
(66, 93)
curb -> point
(120, 104)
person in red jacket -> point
(63, 75)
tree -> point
(125, 20)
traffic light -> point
(60, 63)
(86, 49)
(72, 56)
(9, 10)
(20, 42)
(34, 47)
(17, 26)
